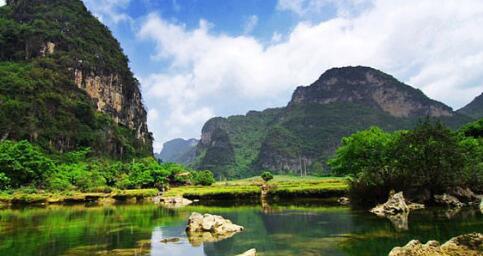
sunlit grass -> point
(251, 187)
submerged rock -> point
(447, 200)
(175, 202)
(251, 252)
(170, 240)
(464, 245)
(395, 204)
(400, 221)
(209, 228)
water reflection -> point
(307, 229)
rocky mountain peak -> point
(371, 87)
(474, 108)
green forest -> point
(430, 157)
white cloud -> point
(109, 10)
(306, 8)
(250, 24)
(2, 2)
(435, 46)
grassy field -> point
(19, 197)
(280, 186)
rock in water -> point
(211, 223)
(251, 252)
(394, 205)
(175, 202)
(344, 200)
(464, 245)
(209, 228)
(447, 200)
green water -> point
(300, 230)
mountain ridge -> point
(300, 137)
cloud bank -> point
(432, 45)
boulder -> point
(447, 200)
(344, 200)
(464, 195)
(395, 204)
(211, 223)
(467, 245)
(415, 206)
(175, 202)
(170, 240)
(251, 252)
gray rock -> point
(468, 245)
(447, 200)
(395, 204)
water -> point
(300, 230)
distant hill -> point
(178, 151)
(300, 137)
(474, 108)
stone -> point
(447, 200)
(209, 228)
(175, 202)
(211, 223)
(344, 200)
(464, 245)
(170, 240)
(415, 206)
(464, 195)
(394, 205)
(251, 252)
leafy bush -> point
(267, 176)
(430, 157)
(24, 164)
(204, 178)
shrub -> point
(267, 176)
(204, 178)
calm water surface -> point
(301, 230)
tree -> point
(24, 164)
(204, 178)
(267, 176)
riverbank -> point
(280, 187)
(20, 197)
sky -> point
(197, 59)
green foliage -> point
(267, 176)
(24, 164)
(430, 157)
(204, 178)
(39, 101)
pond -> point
(300, 229)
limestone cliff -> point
(82, 92)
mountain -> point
(65, 82)
(300, 137)
(178, 151)
(474, 109)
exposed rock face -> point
(464, 195)
(474, 108)
(121, 101)
(447, 200)
(251, 252)
(372, 87)
(299, 138)
(209, 228)
(464, 245)
(395, 204)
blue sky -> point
(197, 59)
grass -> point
(22, 197)
(281, 186)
